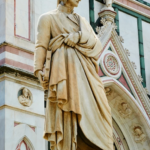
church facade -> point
(123, 68)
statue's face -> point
(25, 92)
(73, 3)
(125, 106)
(138, 131)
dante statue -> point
(78, 116)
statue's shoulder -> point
(80, 17)
(48, 15)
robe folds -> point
(76, 94)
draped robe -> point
(76, 97)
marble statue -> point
(25, 98)
(139, 136)
(108, 4)
(78, 115)
(124, 110)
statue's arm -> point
(42, 42)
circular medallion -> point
(111, 64)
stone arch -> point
(24, 144)
(118, 95)
(23, 133)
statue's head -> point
(72, 3)
(25, 92)
(138, 130)
(124, 105)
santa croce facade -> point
(123, 68)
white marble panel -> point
(11, 98)
(2, 2)
(129, 32)
(147, 1)
(22, 18)
(43, 6)
(17, 133)
(2, 93)
(97, 8)
(10, 38)
(2, 129)
(146, 43)
(83, 9)
(2, 21)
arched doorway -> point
(129, 120)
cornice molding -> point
(19, 76)
(11, 45)
(140, 4)
(21, 110)
(132, 9)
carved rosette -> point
(110, 64)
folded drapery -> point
(76, 94)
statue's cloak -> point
(76, 94)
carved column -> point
(107, 19)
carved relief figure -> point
(77, 106)
(124, 109)
(108, 91)
(25, 98)
(139, 136)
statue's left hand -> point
(44, 84)
(72, 39)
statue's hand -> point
(72, 39)
(44, 84)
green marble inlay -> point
(141, 51)
(144, 2)
(130, 12)
(92, 15)
(49, 146)
(109, 49)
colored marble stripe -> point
(100, 72)
(123, 81)
(91, 12)
(16, 58)
(17, 52)
(135, 6)
(16, 64)
(144, 2)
